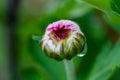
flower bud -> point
(63, 40)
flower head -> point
(63, 40)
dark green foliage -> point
(115, 5)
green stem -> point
(69, 70)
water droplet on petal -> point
(83, 52)
(80, 55)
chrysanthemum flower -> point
(63, 40)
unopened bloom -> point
(63, 40)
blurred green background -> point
(99, 20)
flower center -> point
(60, 34)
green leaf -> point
(115, 5)
(105, 6)
(114, 26)
(106, 63)
(99, 4)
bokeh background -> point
(21, 58)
